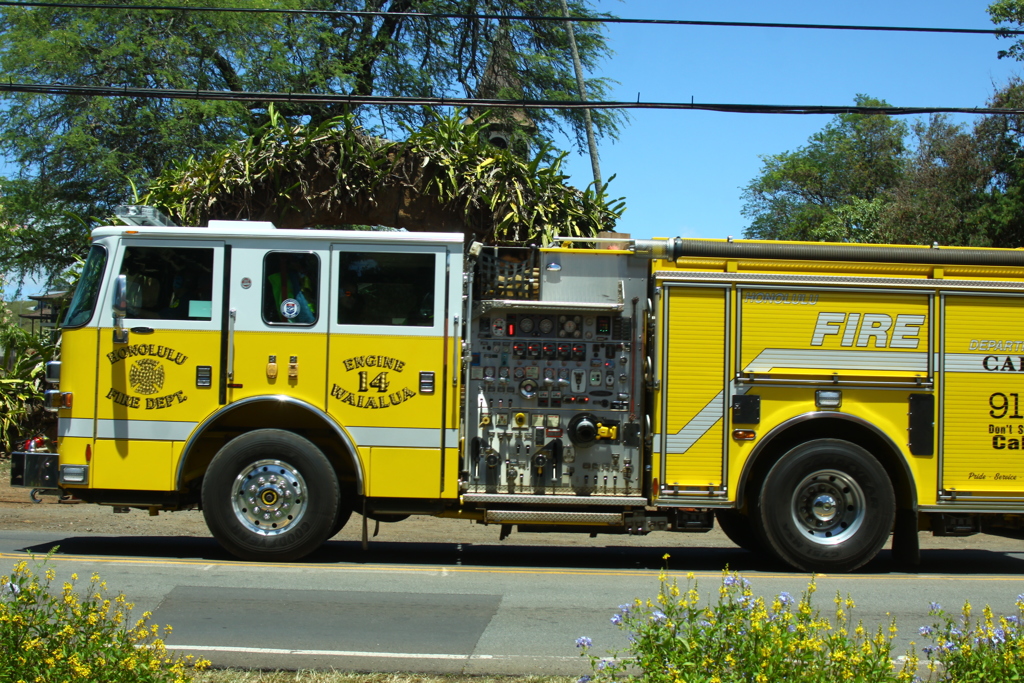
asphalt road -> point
(476, 608)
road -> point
(475, 608)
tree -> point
(942, 189)
(830, 188)
(935, 181)
(1001, 140)
(78, 156)
(444, 176)
(1009, 12)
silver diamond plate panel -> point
(512, 516)
(553, 500)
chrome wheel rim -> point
(828, 507)
(269, 497)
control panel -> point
(554, 403)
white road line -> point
(348, 653)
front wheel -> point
(270, 495)
(827, 506)
(739, 529)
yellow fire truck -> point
(816, 399)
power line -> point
(510, 17)
(466, 102)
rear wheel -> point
(827, 506)
(270, 495)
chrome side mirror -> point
(120, 309)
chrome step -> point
(545, 517)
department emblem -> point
(146, 376)
(290, 308)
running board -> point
(533, 499)
(544, 517)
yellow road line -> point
(673, 574)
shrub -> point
(48, 635)
(967, 649)
(676, 639)
(23, 357)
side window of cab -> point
(386, 288)
(291, 288)
(168, 283)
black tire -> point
(739, 528)
(827, 506)
(344, 513)
(270, 495)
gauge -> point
(528, 388)
(498, 327)
(503, 373)
(546, 325)
(570, 326)
(489, 372)
(519, 373)
(526, 325)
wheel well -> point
(288, 415)
(831, 426)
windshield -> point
(84, 300)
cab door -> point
(158, 379)
(278, 320)
(390, 369)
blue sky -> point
(682, 172)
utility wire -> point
(512, 17)
(466, 102)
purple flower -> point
(658, 616)
(583, 641)
(616, 619)
(730, 581)
(10, 589)
(785, 598)
(583, 679)
(925, 630)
